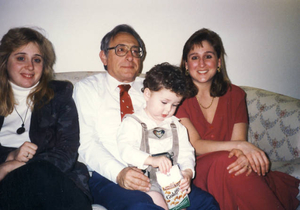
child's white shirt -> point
(129, 138)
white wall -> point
(261, 37)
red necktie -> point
(125, 100)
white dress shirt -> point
(98, 103)
(130, 135)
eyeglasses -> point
(121, 50)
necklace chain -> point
(22, 129)
(212, 100)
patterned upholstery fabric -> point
(274, 124)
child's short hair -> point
(166, 76)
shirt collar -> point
(113, 83)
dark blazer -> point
(54, 129)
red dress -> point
(276, 190)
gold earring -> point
(219, 69)
(187, 72)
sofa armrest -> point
(274, 123)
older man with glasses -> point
(102, 100)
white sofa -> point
(274, 124)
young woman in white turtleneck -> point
(20, 115)
(39, 130)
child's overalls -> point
(157, 133)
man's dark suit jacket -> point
(54, 129)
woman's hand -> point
(24, 153)
(257, 158)
(241, 165)
(9, 166)
(185, 183)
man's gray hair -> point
(119, 29)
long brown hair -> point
(221, 81)
(12, 40)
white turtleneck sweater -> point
(8, 133)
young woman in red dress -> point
(233, 170)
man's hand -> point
(132, 178)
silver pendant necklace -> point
(21, 129)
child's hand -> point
(162, 162)
(185, 183)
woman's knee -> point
(218, 160)
(42, 168)
(222, 157)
